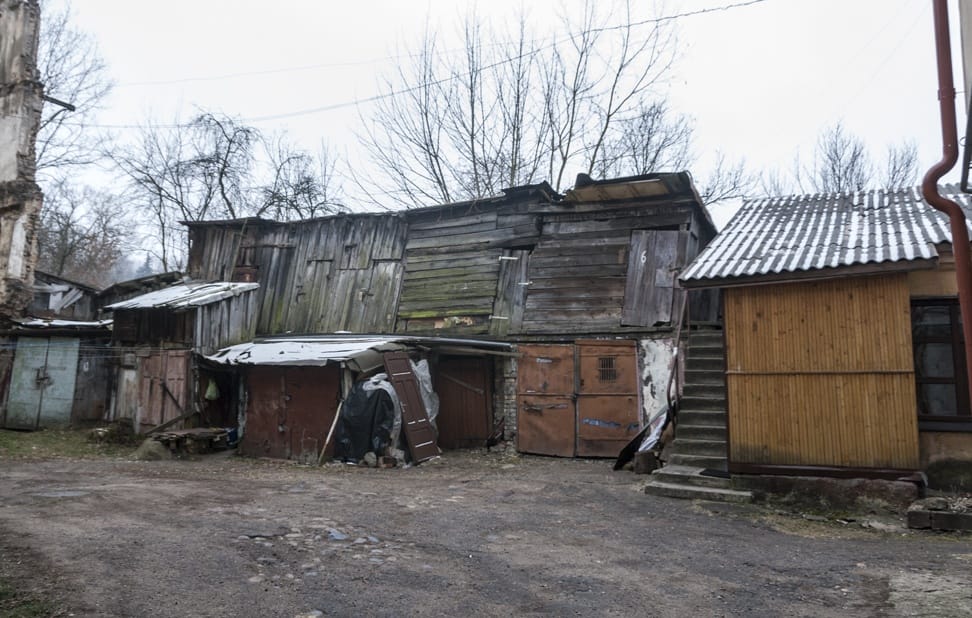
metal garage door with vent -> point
(577, 400)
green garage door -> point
(42, 382)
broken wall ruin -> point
(20, 111)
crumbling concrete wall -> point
(20, 112)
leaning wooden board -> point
(419, 433)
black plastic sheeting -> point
(365, 424)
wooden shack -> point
(159, 337)
(593, 270)
(843, 355)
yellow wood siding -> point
(821, 374)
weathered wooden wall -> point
(821, 374)
(460, 267)
(225, 323)
(521, 264)
(317, 276)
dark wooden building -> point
(591, 274)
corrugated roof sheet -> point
(185, 295)
(805, 234)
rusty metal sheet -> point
(546, 425)
(605, 424)
(289, 411)
(419, 433)
(608, 367)
(465, 387)
(545, 369)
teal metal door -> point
(42, 382)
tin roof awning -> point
(360, 352)
(185, 295)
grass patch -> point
(68, 443)
(17, 604)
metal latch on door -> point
(42, 378)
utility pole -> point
(21, 102)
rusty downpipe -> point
(929, 184)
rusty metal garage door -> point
(546, 423)
(608, 413)
(577, 400)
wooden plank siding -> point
(316, 276)
(821, 374)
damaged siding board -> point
(652, 267)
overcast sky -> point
(760, 81)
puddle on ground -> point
(62, 493)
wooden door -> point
(653, 262)
(608, 411)
(163, 387)
(546, 420)
(464, 385)
(419, 433)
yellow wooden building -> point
(844, 351)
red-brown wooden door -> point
(465, 386)
(608, 412)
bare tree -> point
(80, 235)
(511, 110)
(72, 71)
(215, 167)
(901, 165)
(301, 186)
(842, 163)
(188, 172)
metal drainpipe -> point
(929, 184)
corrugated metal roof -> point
(185, 295)
(807, 234)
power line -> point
(378, 97)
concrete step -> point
(705, 349)
(688, 475)
(711, 337)
(700, 432)
(699, 461)
(690, 446)
(690, 492)
(697, 402)
(704, 376)
(717, 363)
(709, 418)
(717, 391)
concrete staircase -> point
(700, 435)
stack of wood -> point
(194, 441)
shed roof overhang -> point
(359, 352)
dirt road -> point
(474, 534)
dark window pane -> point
(934, 360)
(937, 399)
(931, 321)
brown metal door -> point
(289, 411)
(464, 385)
(608, 412)
(419, 433)
(546, 422)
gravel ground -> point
(469, 534)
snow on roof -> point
(189, 294)
(364, 353)
(51, 323)
(803, 235)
